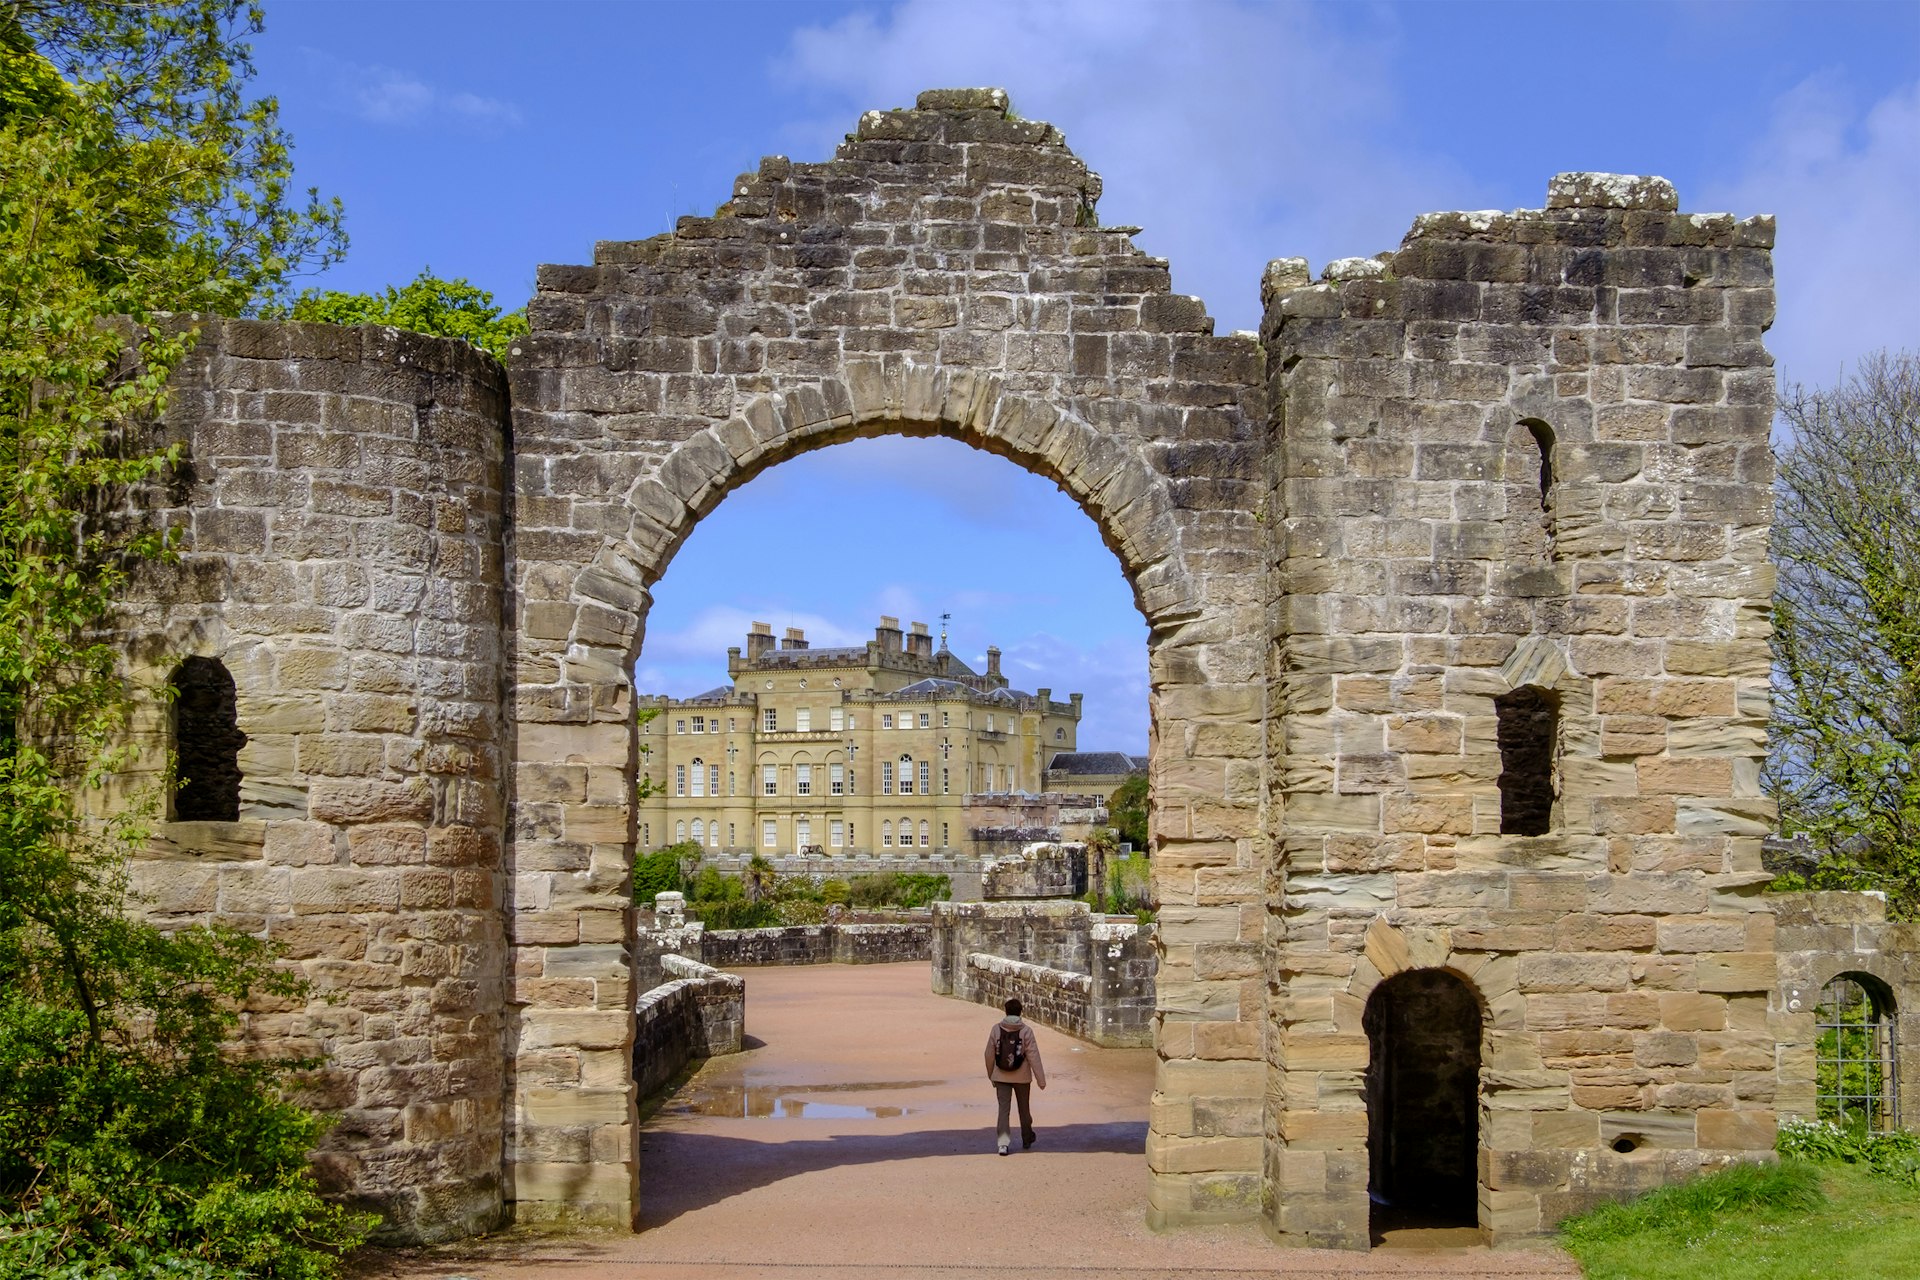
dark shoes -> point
(1027, 1140)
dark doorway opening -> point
(1423, 1103)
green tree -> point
(427, 304)
(136, 178)
(1844, 759)
(1127, 808)
(759, 877)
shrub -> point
(897, 889)
(918, 889)
(794, 889)
(125, 1171)
(736, 913)
(834, 892)
(711, 886)
(1128, 889)
(662, 871)
(800, 911)
(877, 890)
(137, 176)
(1894, 1155)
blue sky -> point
(485, 138)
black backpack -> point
(1010, 1053)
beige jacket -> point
(1032, 1071)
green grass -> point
(1792, 1221)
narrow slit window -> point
(206, 743)
(1531, 498)
(1543, 441)
(1529, 730)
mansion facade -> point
(871, 749)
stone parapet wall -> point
(1037, 871)
(341, 519)
(1110, 1001)
(881, 943)
(1053, 935)
(816, 944)
(653, 942)
(1823, 936)
(1051, 997)
(698, 1013)
(1125, 966)
(720, 1005)
(1001, 825)
(752, 948)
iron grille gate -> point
(1856, 1057)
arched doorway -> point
(1423, 1101)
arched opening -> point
(1423, 1103)
(910, 754)
(755, 650)
(1528, 730)
(1856, 1055)
(206, 743)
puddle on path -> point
(785, 1101)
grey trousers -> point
(1006, 1093)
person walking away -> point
(1014, 1066)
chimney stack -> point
(993, 661)
(919, 642)
(759, 641)
(795, 639)
(888, 634)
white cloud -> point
(937, 476)
(1233, 133)
(697, 652)
(385, 95)
(1845, 185)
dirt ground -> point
(855, 1137)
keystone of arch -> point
(1536, 661)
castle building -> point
(868, 749)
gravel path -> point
(855, 1138)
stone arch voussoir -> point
(1394, 949)
(1106, 477)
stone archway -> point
(942, 275)
(1413, 954)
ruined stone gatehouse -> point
(1457, 593)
